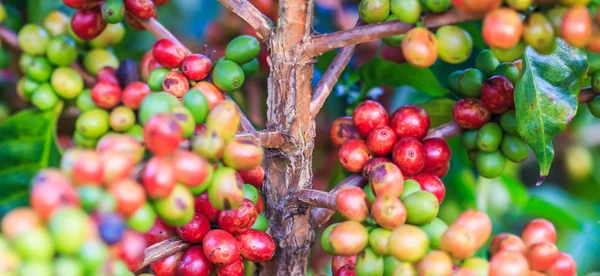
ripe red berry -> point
(388, 211)
(167, 266)
(129, 196)
(191, 169)
(409, 156)
(234, 269)
(564, 266)
(542, 255)
(342, 131)
(203, 206)
(442, 171)
(476, 6)
(497, 94)
(87, 168)
(131, 248)
(471, 114)
(353, 204)
(238, 220)
(380, 141)
(254, 176)
(108, 74)
(256, 246)
(347, 270)
(459, 242)
(479, 223)
(196, 67)
(369, 115)
(81, 4)
(176, 84)
(142, 9)
(507, 242)
(50, 191)
(221, 248)
(509, 263)
(195, 230)
(539, 230)
(502, 28)
(159, 177)
(340, 261)
(386, 179)
(106, 94)
(194, 262)
(368, 168)
(117, 166)
(354, 155)
(437, 154)
(160, 231)
(88, 24)
(162, 134)
(134, 93)
(410, 121)
(432, 184)
(168, 54)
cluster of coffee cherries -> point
(93, 16)
(487, 113)
(48, 52)
(370, 138)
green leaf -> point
(439, 110)
(379, 72)
(546, 98)
(27, 144)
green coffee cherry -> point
(155, 103)
(44, 97)
(538, 32)
(453, 80)
(510, 55)
(242, 49)
(490, 164)
(454, 44)
(228, 76)
(24, 61)
(93, 123)
(368, 263)
(39, 69)
(61, 51)
(84, 101)
(472, 155)
(395, 40)
(137, 132)
(486, 62)
(33, 39)
(508, 70)
(185, 119)
(410, 186)
(83, 142)
(489, 137)
(28, 85)
(514, 148)
(156, 78)
(111, 36)
(469, 139)
(113, 11)
(508, 123)
(594, 62)
(373, 11)
(67, 82)
(96, 59)
(250, 68)
(438, 6)
(434, 230)
(195, 101)
(121, 119)
(470, 83)
(407, 11)
(594, 106)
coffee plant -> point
(124, 152)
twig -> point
(317, 198)
(445, 131)
(321, 215)
(266, 138)
(163, 249)
(160, 32)
(324, 43)
(260, 22)
(9, 37)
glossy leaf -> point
(27, 144)
(439, 110)
(379, 72)
(546, 98)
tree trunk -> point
(289, 168)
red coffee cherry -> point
(159, 177)
(502, 28)
(167, 265)
(194, 262)
(380, 141)
(81, 4)
(88, 24)
(176, 84)
(542, 255)
(409, 156)
(577, 26)
(563, 266)
(162, 134)
(256, 246)
(253, 176)
(168, 54)
(160, 231)
(410, 121)
(471, 114)
(369, 115)
(195, 230)
(354, 155)
(539, 230)
(497, 94)
(476, 6)
(507, 242)
(106, 94)
(134, 93)
(220, 247)
(368, 168)
(108, 74)
(343, 130)
(437, 154)
(203, 206)
(238, 220)
(479, 223)
(353, 204)
(340, 261)
(509, 263)
(432, 184)
(388, 211)
(386, 179)
(142, 9)
(234, 269)
(196, 67)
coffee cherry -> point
(143, 219)
(33, 39)
(470, 82)
(576, 27)
(502, 28)
(169, 265)
(497, 94)
(437, 154)
(185, 120)
(141, 9)
(471, 114)
(160, 231)
(489, 137)
(438, 6)
(224, 120)
(39, 70)
(162, 134)
(519, 4)
(238, 220)
(177, 208)
(195, 101)
(455, 44)
(176, 84)
(340, 261)
(167, 53)
(368, 263)
(420, 47)
(436, 263)
(159, 177)
(134, 93)
(538, 32)
(386, 179)
(106, 94)
(221, 248)
(19, 220)
(194, 262)
(564, 265)
(509, 71)
(117, 166)
(261, 223)
(44, 97)
(204, 207)
(343, 130)
(514, 148)
(542, 255)
(507, 242)
(486, 62)
(459, 242)
(196, 66)
(228, 75)
(209, 145)
(108, 74)
(408, 243)
(369, 115)
(380, 141)
(410, 121)
(242, 154)
(422, 207)
(408, 155)
(61, 51)
(92, 123)
(253, 176)
(432, 184)
(96, 59)
(379, 241)
(234, 269)
(242, 49)
(88, 24)
(434, 230)
(121, 119)
(195, 230)
(478, 223)
(211, 92)
(353, 204)
(395, 40)
(539, 230)
(348, 238)
(373, 11)
(388, 212)
(130, 196)
(325, 238)
(192, 170)
(508, 263)
(476, 7)
(354, 155)
(368, 168)
(407, 11)
(230, 193)
(410, 186)
(35, 244)
(490, 164)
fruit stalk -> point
(316, 198)
(260, 22)
(88, 79)
(163, 249)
